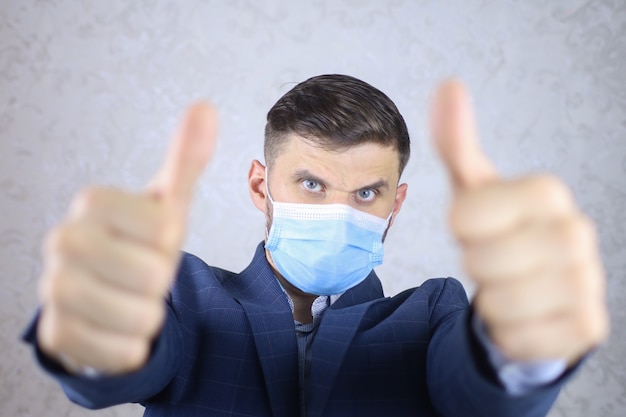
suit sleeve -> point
(105, 391)
(460, 379)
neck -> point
(302, 301)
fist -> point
(533, 255)
(109, 265)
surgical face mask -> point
(324, 249)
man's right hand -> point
(108, 267)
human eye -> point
(312, 185)
(366, 195)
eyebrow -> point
(305, 173)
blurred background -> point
(90, 92)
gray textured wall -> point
(89, 92)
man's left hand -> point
(533, 255)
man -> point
(305, 329)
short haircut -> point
(336, 112)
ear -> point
(397, 204)
(256, 185)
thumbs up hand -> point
(108, 267)
(533, 255)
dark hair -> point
(336, 112)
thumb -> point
(453, 129)
(190, 150)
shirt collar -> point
(319, 306)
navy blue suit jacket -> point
(228, 348)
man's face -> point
(364, 177)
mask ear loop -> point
(269, 197)
(388, 217)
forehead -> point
(348, 166)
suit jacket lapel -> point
(336, 331)
(369, 289)
(271, 320)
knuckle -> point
(470, 265)
(149, 319)
(49, 280)
(163, 275)
(551, 190)
(169, 231)
(593, 324)
(69, 238)
(153, 278)
(580, 231)
(58, 239)
(51, 334)
(160, 225)
(456, 219)
(549, 184)
(86, 199)
(51, 287)
(587, 283)
(507, 345)
(485, 308)
(158, 316)
(579, 285)
(46, 287)
(59, 290)
(135, 354)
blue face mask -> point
(324, 249)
